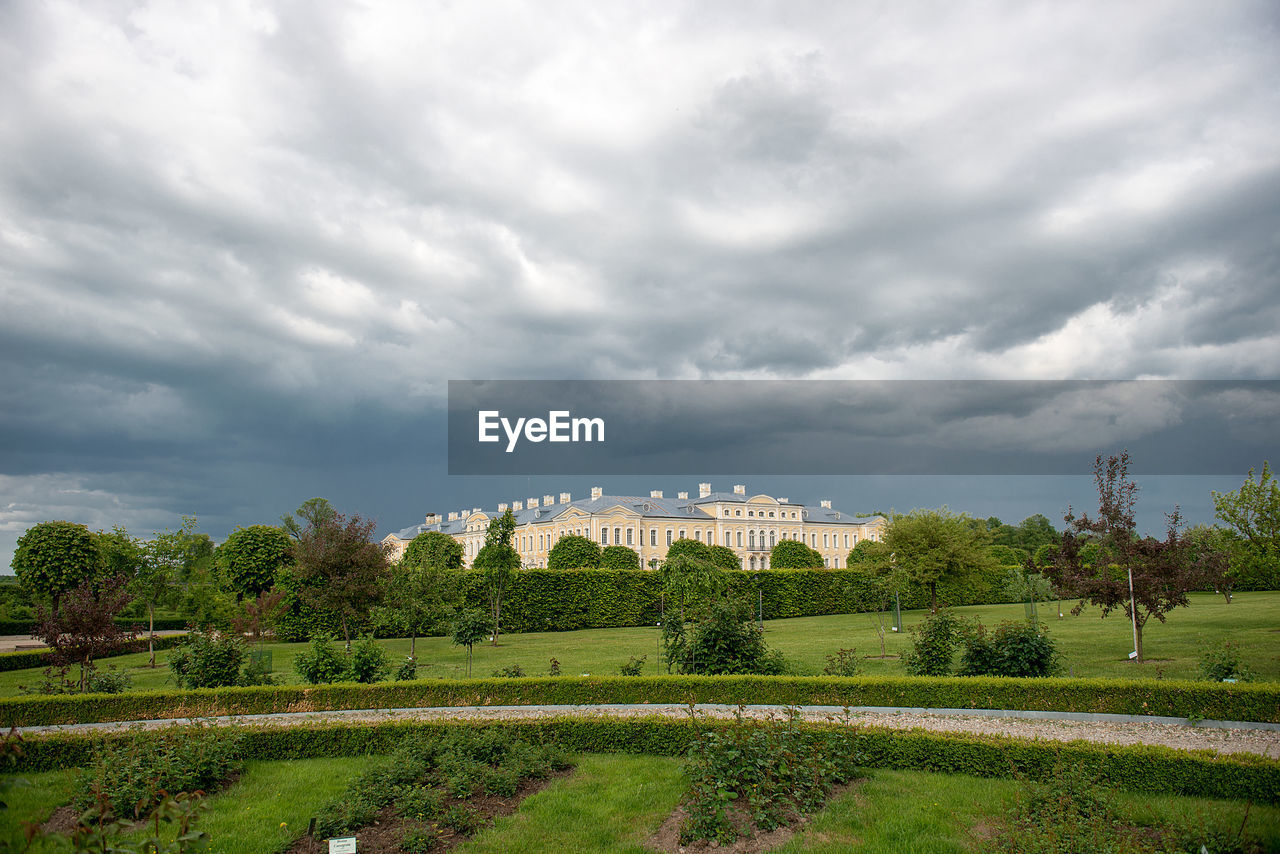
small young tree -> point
(935, 546)
(1252, 513)
(82, 627)
(258, 615)
(1141, 576)
(418, 598)
(340, 568)
(686, 584)
(573, 551)
(498, 562)
(157, 581)
(469, 628)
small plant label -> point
(345, 845)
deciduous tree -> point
(340, 568)
(793, 554)
(935, 546)
(619, 557)
(434, 549)
(1161, 572)
(1252, 513)
(573, 551)
(498, 562)
(82, 626)
(250, 558)
(54, 557)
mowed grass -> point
(1090, 646)
(614, 803)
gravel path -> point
(1219, 739)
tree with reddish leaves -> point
(82, 626)
(1163, 572)
(340, 568)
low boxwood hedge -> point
(40, 657)
(1208, 700)
(1134, 767)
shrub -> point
(934, 644)
(1019, 649)
(1222, 663)
(634, 666)
(759, 775)
(619, 557)
(843, 663)
(554, 669)
(207, 660)
(728, 642)
(109, 681)
(368, 662)
(321, 663)
(129, 774)
(408, 670)
(515, 671)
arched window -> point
(751, 542)
(773, 539)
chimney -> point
(783, 501)
(502, 508)
(655, 493)
(565, 498)
(596, 492)
(532, 503)
(475, 509)
(548, 500)
(704, 489)
(682, 496)
(517, 505)
(432, 519)
(453, 515)
(826, 503)
(739, 489)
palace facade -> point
(750, 526)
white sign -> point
(346, 845)
(1133, 654)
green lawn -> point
(1090, 646)
(614, 803)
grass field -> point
(614, 803)
(1090, 646)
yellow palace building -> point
(750, 526)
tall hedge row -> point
(1135, 767)
(1172, 698)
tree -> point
(157, 579)
(694, 549)
(434, 549)
(686, 582)
(340, 568)
(311, 513)
(257, 615)
(469, 628)
(1252, 513)
(1206, 539)
(574, 552)
(619, 557)
(868, 554)
(250, 558)
(936, 546)
(1142, 576)
(54, 557)
(418, 598)
(793, 554)
(82, 626)
(724, 557)
(498, 562)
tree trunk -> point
(1140, 658)
(413, 647)
(346, 633)
(497, 615)
(151, 633)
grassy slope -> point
(1090, 646)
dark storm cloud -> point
(243, 243)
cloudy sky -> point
(243, 246)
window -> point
(739, 539)
(826, 562)
(697, 535)
(813, 540)
(751, 540)
(846, 541)
(617, 536)
(728, 539)
(770, 514)
(604, 536)
(836, 562)
(726, 511)
(773, 539)
(793, 514)
(630, 535)
(825, 543)
(737, 512)
(669, 537)
(751, 512)
(653, 536)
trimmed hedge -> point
(26, 627)
(1210, 700)
(1135, 767)
(40, 657)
